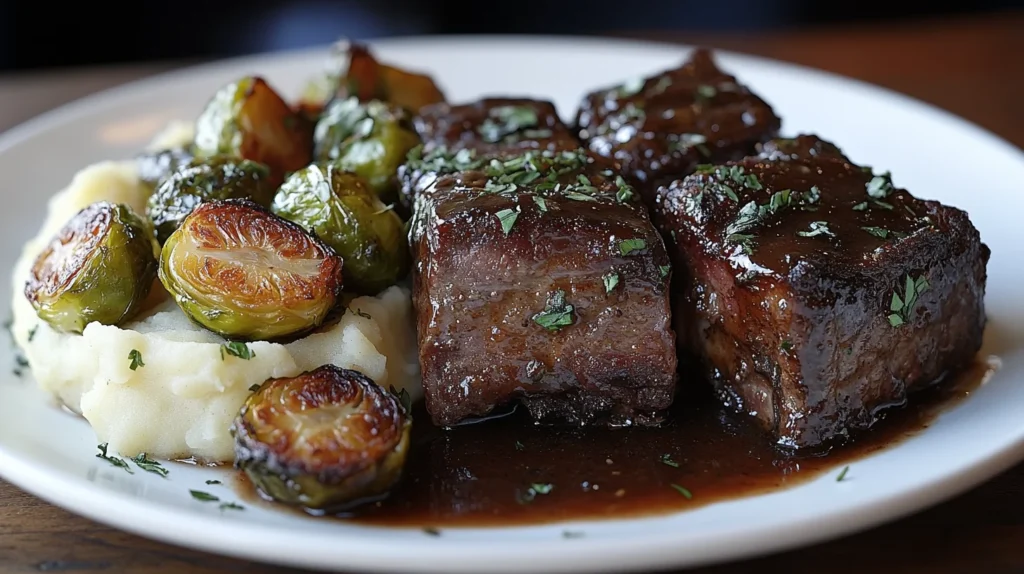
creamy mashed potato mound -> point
(181, 403)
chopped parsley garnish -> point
(664, 270)
(880, 186)
(32, 333)
(149, 465)
(254, 388)
(706, 91)
(862, 206)
(877, 232)
(580, 196)
(744, 240)
(786, 345)
(817, 228)
(556, 314)
(842, 474)
(236, 349)
(627, 246)
(683, 491)
(901, 307)
(531, 493)
(883, 205)
(231, 506)
(440, 160)
(203, 496)
(431, 531)
(520, 446)
(624, 192)
(118, 462)
(212, 482)
(752, 214)
(542, 204)
(508, 217)
(667, 459)
(610, 281)
(504, 121)
(135, 358)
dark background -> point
(44, 33)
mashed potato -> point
(181, 403)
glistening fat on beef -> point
(816, 293)
(539, 278)
(661, 127)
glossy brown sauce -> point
(481, 474)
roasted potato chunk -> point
(324, 440)
(370, 139)
(367, 79)
(244, 273)
(220, 177)
(343, 211)
(247, 119)
(99, 267)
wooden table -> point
(972, 67)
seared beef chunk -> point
(660, 128)
(540, 278)
(464, 136)
(804, 146)
(816, 294)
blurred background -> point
(38, 35)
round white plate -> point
(930, 152)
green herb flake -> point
(236, 349)
(667, 459)
(706, 91)
(683, 491)
(533, 491)
(520, 446)
(556, 314)
(902, 306)
(842, 474)
(118, 462)
(877, 232)
(135, 358)
(203, 496)
(508, 217)
(542, 204)
(149, 465)
(213, 482)
(579, 196)
(628, 246)
(880, 186)
(883, 205)
(542, 488)
(664, 270)
(504, 121)
(817, 228)
(862, 206)
(32, 333)
(787, 345)
(231, 506)
(610, 281)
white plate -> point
(930, 152)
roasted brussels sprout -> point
(370, 139)
(219, 177)
(325, 440)
(341, 209)
(156, 166)
(364, 77)
(99, 267)
(247, 119)
(244, 273)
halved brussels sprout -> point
(99, 267)
(154, 167)
(219, 177)
(364, 77)
(244, 273)
(247, 119)
(341, 209)
(370, 139)
(325, 440)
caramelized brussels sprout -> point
(99, 267)
(341, 209)
(244, 273)
(327, 439)
(219, 177)
(247, 119)
(370, 139)
(364, 77)
(156, 166)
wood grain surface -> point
(971, 67)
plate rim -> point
(130, 514)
